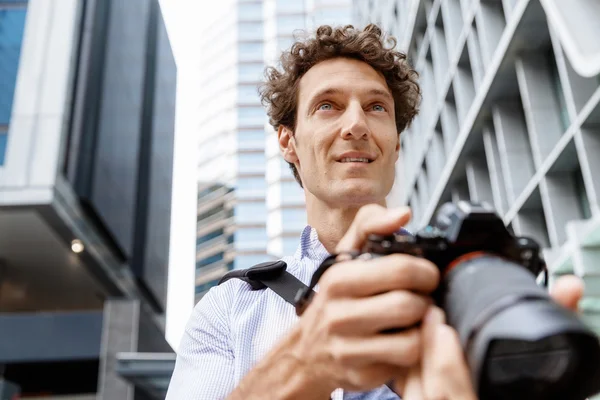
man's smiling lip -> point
(356, 154)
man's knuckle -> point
(338, 351)
(334, 319)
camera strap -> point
(272, 275)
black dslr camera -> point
(518, 343)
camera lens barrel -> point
(518, 343)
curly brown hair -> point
(279, 93)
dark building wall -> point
(156, 246)
(121, 141)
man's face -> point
(345, 145)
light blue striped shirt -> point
(233, 327)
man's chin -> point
(357, 192)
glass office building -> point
(12, 26)
(510, 116)
(87, 109)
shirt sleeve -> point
(204, 366)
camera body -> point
(518, 343)
(461, 231)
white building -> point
(262, 217)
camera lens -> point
(544, 360)
(519, 344)
(530, 369)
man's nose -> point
(355, 123)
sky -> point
(182, 18)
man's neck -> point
(330, 222)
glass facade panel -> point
(293, 219)
(251, 116)
(3, 138)
(251, 213)
(250, 30)
(285, 43)
(251, 139)
(250, 51)
(291, 192)
(208, 237)
(248, 94)
(250, 11)
(209, 260)
(251, 187)
(250, 72)
(251, 239)
(12, 25)
(332, 16)
(289, 6)
(288, 24)
(251, 162)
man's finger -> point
(373, 219)
(445, 372)
(411, 387)
(568, 291)
(452, 361)
(358, 278)
(432, 381)
(401, 349)
(373, 314)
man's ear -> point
(397, 151)
(287, 144)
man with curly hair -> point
(339, 102)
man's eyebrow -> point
(327, 91)
(383, 93)
(336, 91)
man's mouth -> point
(351, 159)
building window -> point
(249, 94)
(287, 24)
(293, 219)
(332, 16)
(250, 30)
(291, 193)
(3, 139)
(251, 187)
(250, 72)
(290, 6)
(12, 25)
(251, 139)
(210, 260)
(250, 51)
(251, 163)
(250, 12)
(251, 238)
(251, 213)
(251, 116)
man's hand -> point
(339, 335)
(443, 372)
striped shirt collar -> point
(310, 246)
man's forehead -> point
(342, 76)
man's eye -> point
(378, 107)
(325, 107)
